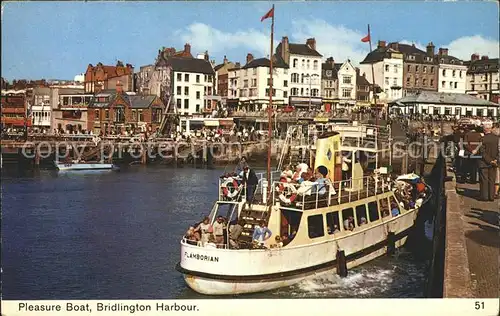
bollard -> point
(391, 243)
(341, 264)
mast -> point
(373, 77)
(270, 108)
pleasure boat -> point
(361, 214)
(78, 165)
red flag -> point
(269, 14)
(366, 38)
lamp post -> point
(310, 85)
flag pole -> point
(373, 78)
(269, 111)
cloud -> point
(336, 41)
(465, 46)
(204, 37)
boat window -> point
(384, 207)
(315, 226)
(332, 222)
(361, 216)
(373, 211)
(348, 218)
(290, 221)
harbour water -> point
(115, 235)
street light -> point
(310, 89)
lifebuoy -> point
(226, 190)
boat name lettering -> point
(197, 256)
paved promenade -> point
(482, 238)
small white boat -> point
(64, 166)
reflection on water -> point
(115, 235)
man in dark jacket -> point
(487, 164)
(472, 140)
(250, 181)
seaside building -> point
(102, 77)
(483, 77)
(452, 73)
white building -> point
(79, 78)
(452, 73)
(254, 83)
(40, 108)
(304, 64)
(483, 78)
(347, 84)
(387, 69)
(439, 103)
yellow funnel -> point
(327, 153)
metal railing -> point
(307, 196)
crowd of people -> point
(477, 157)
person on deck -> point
(250, 181)
(218, 229)
(235, 233)
(488, 163)
(206, 230)
(261, 233)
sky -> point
(57, 40)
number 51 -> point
(479, 305)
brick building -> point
(14, 109)
(419, 70)
(101, 77)
(118, 111)
(483, 78)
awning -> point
(321, 119)
(226, 122)
(15, 121)
(211, 123)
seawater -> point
(115, 235)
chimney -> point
(395, 46)
(206, 55)
(474, 57)
(430, 49)
(443, 52)
(285, 49)
(249, 58)
(225, 60)
(330, 61)
(381, 44)
(119, 87)
(187, 48)
(311, 42)
(484, 57)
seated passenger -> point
(191, 236)
(336, 229)
(297, 174)
(395, 209)
(205, 230)
(278, 243)
(321, 184)
(261, 233)
(211, 242)
(362, 221)
(349, 223)
(287, 173)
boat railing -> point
(231, 187)
(311, 195)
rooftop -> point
(443, 98)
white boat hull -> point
(228, 272)
(84, 166)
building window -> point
(186, 90)
(179, 77)
(315, 226)
(295, 91)
(424, 69)
(408, 81)
(409, 68)
(395, 69)
(197, 108)
(308, 64)
(254, 82)
(96, 114)
(451, 85)
(454, 73)
(285, 83)
(106, 114)
(333, 222)
(209, 78)
(267, 92)
(394, 82)
(268, 82)
(295, 63)
(386, 81)
(314, 92)
(444, 72)
(432, 83)
(209, 90)
(315, 65)
(302, 78)
(424, 82)
(198, 95)
(460, 74)
(186, 103)
(443, 84)
(417, 68)
(197, 78)
(432, 69)
(186, 77)
(303, 63)
(346, 93)
(179, 90)
(456, 85)
(416, 81)
(141, 116)
(179, 103)
(285, 94)
(295, 78)
(387, 68)
(347, 79)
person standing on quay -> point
(488, 163)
